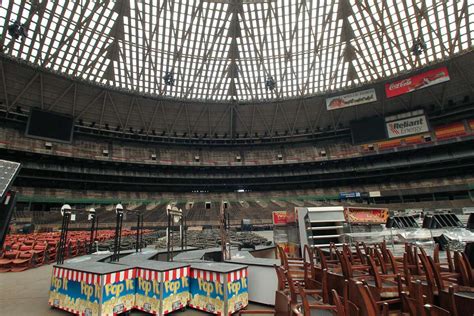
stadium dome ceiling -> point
(236, 50)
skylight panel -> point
(302, 47)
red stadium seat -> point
(450, 131)
(25, 259)
(6, 260)
(40, 250)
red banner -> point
(417, 82)
(279, 218)
(283, 217)
(357, 215)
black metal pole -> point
(92, 232)
(182, 233)
(120, 236)
(141, 232)
(137, 241)
(63, 237)
(117, 238)
(168, 239)
(185, 232)
(96, 227)
(171, 237)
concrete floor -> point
(26, 293)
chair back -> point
(282, 304)
(460, 267)
(321, 257)
(340, 311)
(280, 272)
(364, 300)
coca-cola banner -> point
(351, 99)
(417, 82)
(408, 126)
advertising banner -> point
(283, 217)
(374, 194)
(417, 82)
(351, 99)
(357, 215)
(407, 126)
(348, 195)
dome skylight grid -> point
(307, 47)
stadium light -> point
(16, 30)
(64, 208)
(119, 208)
(418, 47)
(270, 83)
(169, 78)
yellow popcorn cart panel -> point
(148, 293)
(162, 292)
(221, 291)
(237, 291)
(175, 289)
(118, 292)
(207, 291)
(76, 292)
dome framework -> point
(236, 50)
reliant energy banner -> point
(408, 126)
(351, 99)
(417, 82)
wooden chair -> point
(433, 310)
(308, 254)
(350, 270)
(381, 260)
(295, 295)
(317, 280)
(385, 285)
(413, 301)
(340, 310)
(460, 267)
(436, 266)
(459, 301)
(294, 266)
(344, 307)
(366, 303)
(412, 259)
(282, 284)
(360, 255)
(307, 307)
(326, 263)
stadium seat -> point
(450, 131)
(6, 260)
(25, 260)
(40, 250)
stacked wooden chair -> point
(370, 280)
